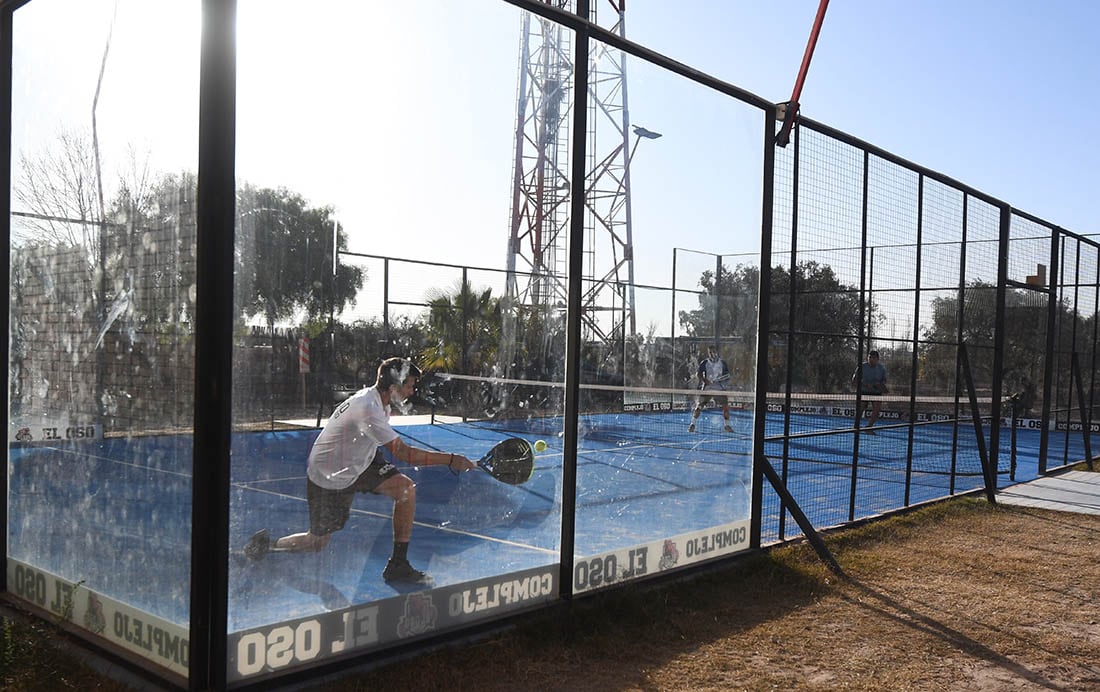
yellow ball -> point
(540, 445)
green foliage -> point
(727, 304)
(1025, 330)
(283, 253)
(363, 344)
(649, 361)
(822, 312)
(69, 602)
(539, 352)
(284, 257)
(464, 330)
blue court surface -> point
(114, 514)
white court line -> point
(120, 462)
(446, 529)
(249, 484)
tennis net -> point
(809, 431)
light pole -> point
(640, 134)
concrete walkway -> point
(1072, 491)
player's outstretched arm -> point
(415, 456)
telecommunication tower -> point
(541, 186)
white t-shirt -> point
(714, 370)
(347, 445)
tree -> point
(363, 344)
(817, 342)
(727, 304)
(464, 328)
(1025, 336)
(823, 327)
(284, 257)
(57, 188)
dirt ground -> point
(960, 596)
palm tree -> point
(464, 328)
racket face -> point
(511, 461)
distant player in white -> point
(347, 459)
(714, 376)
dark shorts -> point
(718, 396)
(329, 509)
(875, 403)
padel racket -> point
(511, 461)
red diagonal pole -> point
(784, 135)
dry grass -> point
(957, 596)
(30, 659)
(961, 595)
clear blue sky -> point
(998, 94)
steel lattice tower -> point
(539, 229)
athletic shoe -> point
(401, 572)
(691, 428)
(869, 430)
(728, 428)
(258, 546)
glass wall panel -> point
(403, 193)
(101, 369)
(675, 187)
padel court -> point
(113, 514)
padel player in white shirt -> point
(347, 459)
(714, 375)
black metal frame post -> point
(1012, 443)
(672, 326)
(213, 347)
(1086, 423)
(1093, 341)
(914, 363)
(718, 305)
(763, 317)
(864, 325)
(792, 282)
(6, 12)
(959, 331)
(864, 303)
(464, 295)
(573, 321)
(1060, 377)
(1051, 357)
(998, 345)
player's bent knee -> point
(402, 489)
